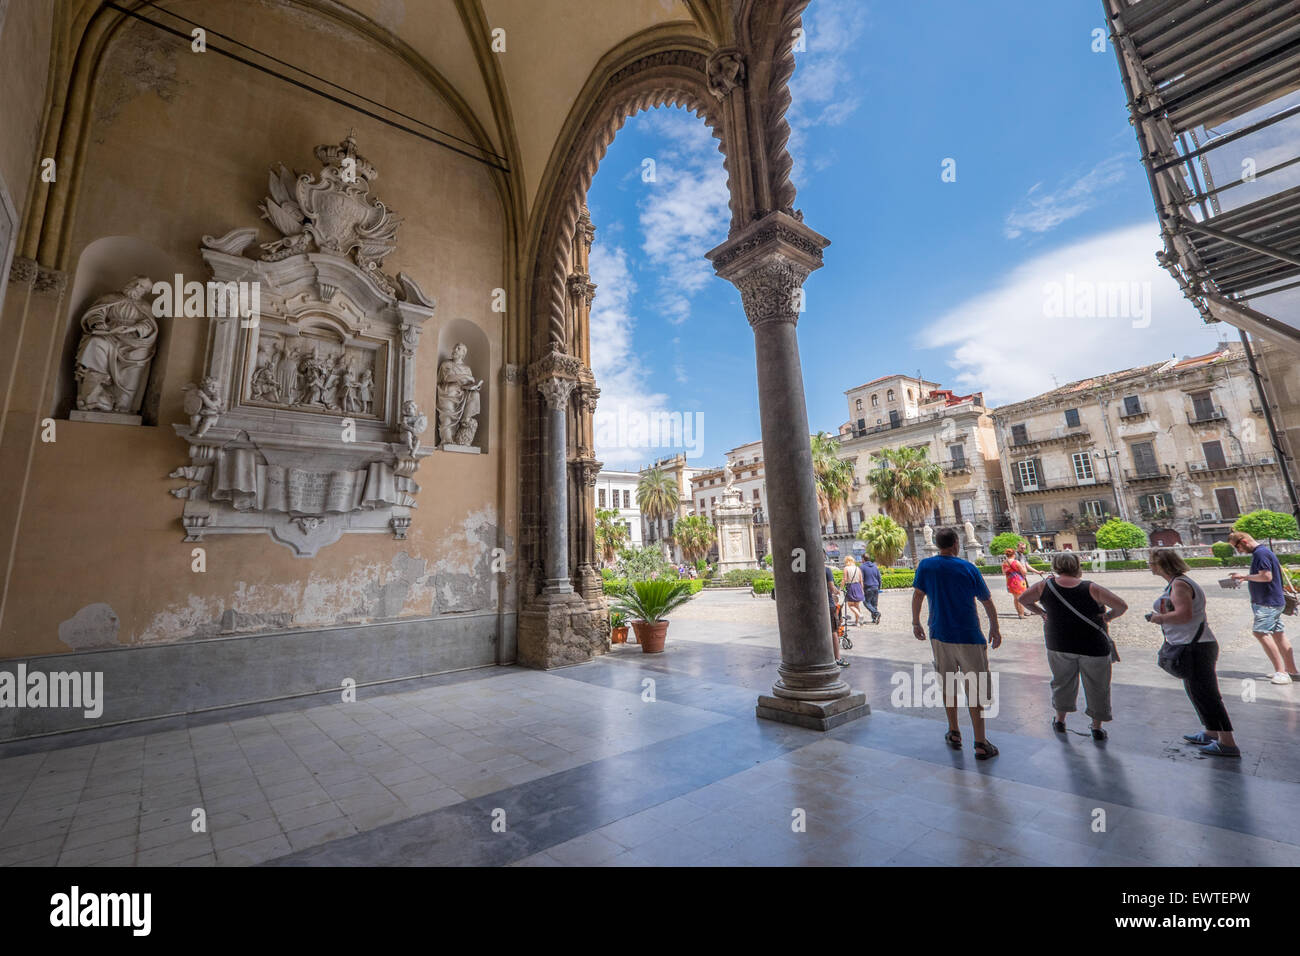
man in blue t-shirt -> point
(952, 586)
(1267, 603)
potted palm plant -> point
(647, 603)
(617, 627)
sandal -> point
(1099, 734)
(1058, 725)
(984, 750)
(953, 737)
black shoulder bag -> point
(1172, 658)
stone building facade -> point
(747, 466)
(1179, 448)
(659, 532)
(957, 432)
(617, 490)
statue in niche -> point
(458, 399)
(413, 425)
(266, 387)
(287, 375)
(350, 390)
(202, 404)
(366, 391)
(118, 343)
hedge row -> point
(615, 585)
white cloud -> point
(685, 210)
(824, 90)
(624, 381)
(1041, 211)
(1015, 340)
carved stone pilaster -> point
(513, 374)
(588, 395)
(50, 281)
(23, 270)
(725, 70)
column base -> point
(559, 629)
(813, 714)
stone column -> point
(556, 391)
(768, 262)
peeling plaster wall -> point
(180, 148)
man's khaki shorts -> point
(969, 660)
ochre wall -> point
(24, 64)
(179, 147)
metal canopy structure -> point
(1214, 95)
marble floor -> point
(637, 760)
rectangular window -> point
(1028, 475)
(600, 498)
(1093, 509)
(1228, 508)
(1132, 406)
(1083, 473)
(1214, 455)
(627, 498)
(1144, 459)
(1018, 435)
(1202, 406)
(957, 453)
(755, 494)
(1071, 418)
(703, 506)
(1037, 520)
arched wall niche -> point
(479, 360)
(104, 266)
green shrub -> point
(896, 578)
(1204, 562)
(741, 577)
(764, 585)
(694, 585)
(1288, 559)
(1007, 539)
(1222, 550)
(1264, 525)
(1117, 535)
(615, 585)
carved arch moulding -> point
(304, 426)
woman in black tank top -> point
(1075, 613)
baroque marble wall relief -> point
(305, 426)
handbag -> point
(1114, 652)
(1172, 658)
(1290, 597)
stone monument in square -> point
(735, 523)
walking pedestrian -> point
(1266, 603)
(853, 594)
(1075, 613)
(833, 596)
(952, 586)
(1016, 578)
(1191, 652)
(871, 588)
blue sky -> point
(946, 278)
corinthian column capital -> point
(556, 391)
(768, 262)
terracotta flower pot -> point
(651, 636)
(618, 635)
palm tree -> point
(884, 538)
(833, 476)
(906, 484)
(694, 535)
(657, 496)
(611, 534)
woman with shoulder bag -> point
(1190, 652)
(1075, 613)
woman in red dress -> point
(1016, 578)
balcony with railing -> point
(1058, 436)
(1133, 414)
(1229, 464)
(1058, 483)
(956, 466)
(1152, 473)
(1205, 415)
